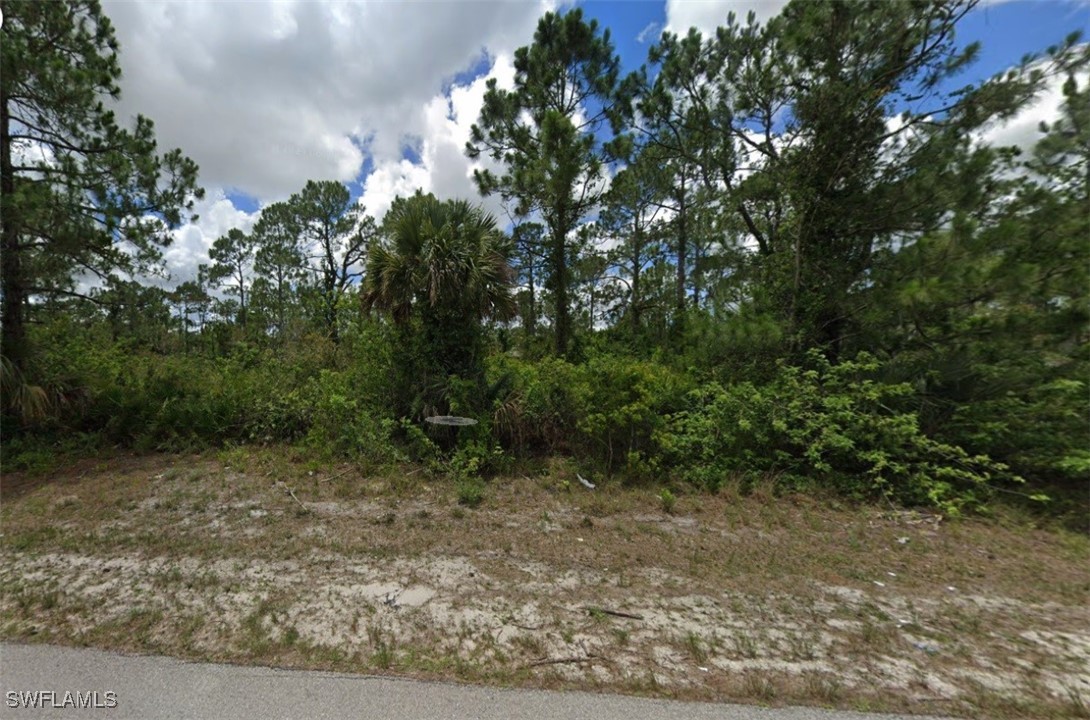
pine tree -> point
(78, 193)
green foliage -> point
(772, 218)
(470, 492)
(344, 425)
(567, 83)
(668, 500)
(93, 197)
(829, 424)
(605, 411)
(442, 271)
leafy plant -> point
(668, 499)
(830, 424)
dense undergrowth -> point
(845, 427)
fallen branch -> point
(334, 477)
(293, 497)
(614, 613)
(562, 661)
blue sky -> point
(381, 95)
(1007, 31)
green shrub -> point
(831, 424)
(605, 411)
(470, 492)
(668, 499)
(343, 425)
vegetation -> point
(779, 252)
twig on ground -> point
(562, 661)
(334, 477)
(615, 613)
(296, 499)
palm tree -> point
(440, 271)
(440, 255)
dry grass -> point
(260, 557)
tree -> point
(78, 193)
(629, 219)
(545, 132)
(190, 297)
(232, 259)
(136, 313)
(826, 133)
(440, 272)
(334, 235)
(528, 239)
(990, 315)
(278, 258)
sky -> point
(381, 95)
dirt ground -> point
(261, 557)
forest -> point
(780, 253)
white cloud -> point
(266, 96)
(443, 169)
(707, 15)
(192, 241)
(1022, 130)
(650, 32)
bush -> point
(605, 411)
(831, 424)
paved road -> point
(149, 688)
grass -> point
(777, 599)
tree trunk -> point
(531, 320)
(12, 282)
(558, 259)
(560, 294)
(682, 246)
(637, 258)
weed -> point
(470, 492)
(826, 688)
(695, 647)
(802, 646)
(745, 645)
(383, 655)
(760, 686)
(668, 499)
(1076, 704)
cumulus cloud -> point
(1022, 130)
(191, 242)
(444, 124)
(707, 15)
(267, 96)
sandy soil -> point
(725, 598)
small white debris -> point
(891, 574)
(258, 513)
(579, 539)
(586, 483)
(702, 668)
(903, 540)
(879, 584)
(951, 588)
